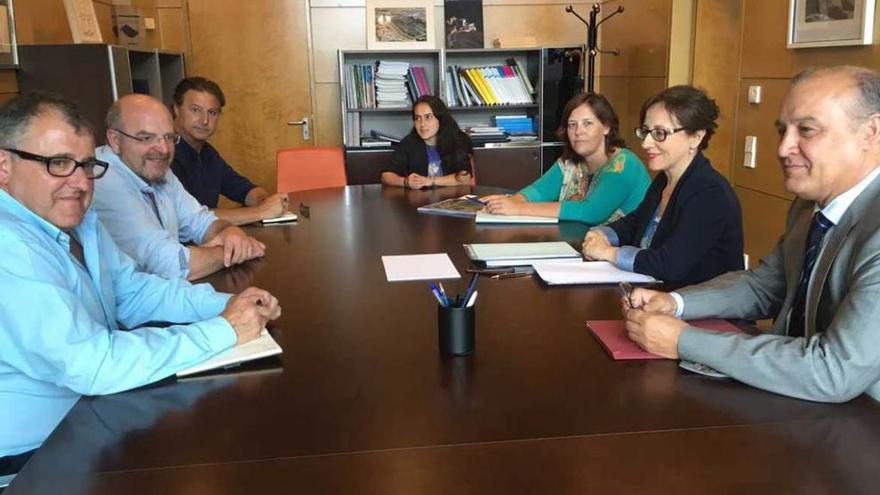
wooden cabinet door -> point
(258, 53)
(510, 167)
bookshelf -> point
(502, 164)
(105, 73)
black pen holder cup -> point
(455, 330)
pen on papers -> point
(625, 290)
(475, 199)
(436, 292)
(472, 300)
(502, 276)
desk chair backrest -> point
(301, 169)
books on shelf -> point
(490, 85)
(385, 84)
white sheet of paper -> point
(287, 217)
(262, 346)
(588, 272)
(490, 218)
(419, 267)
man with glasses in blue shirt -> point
(145, 207)
(68, 290)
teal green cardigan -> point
(617, 189)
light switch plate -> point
(750, 152)
(149, 23)
(754, 94)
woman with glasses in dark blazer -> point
(688, 229)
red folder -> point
(612, 335)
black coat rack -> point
(593, 37)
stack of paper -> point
(391, 84)
(521, 253)
(419, 267)
(588, 272)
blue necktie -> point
(797, 317)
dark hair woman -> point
(596, 179)
(688, 229)
(435, 153)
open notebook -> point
(262, 346)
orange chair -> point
(301, 169)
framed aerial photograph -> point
(814, 23)
(400, 24)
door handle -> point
(305, 127)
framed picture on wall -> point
(813, 23)
(400, 24)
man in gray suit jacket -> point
(821, 283)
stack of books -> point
(485, 134)
(391, 78)
(519, 127)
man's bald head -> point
(141, 132)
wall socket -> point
(751, 152)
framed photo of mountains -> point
(464, 23)
(400, 24)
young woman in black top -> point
(435, 153)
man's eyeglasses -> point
(153, 139)
(658, 134)
(62, 166)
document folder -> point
(612, 335)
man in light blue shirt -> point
(821, 283)
(68, 290)
(145, 207)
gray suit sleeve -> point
(834, 366)
(751, 294)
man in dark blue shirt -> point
(198, 103)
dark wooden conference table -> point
(362, 402)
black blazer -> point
(411, 156)
(700, 235)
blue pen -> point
(443, 293)
(470, 289)
(475, 199)
(436, 292)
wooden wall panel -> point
(758, 120)
(627, 94)
(766, 221)
(327, 116)
(716, 70)
(39, 22)
(765, 54)
(172, 29)
(641, 34)
(549, 25)
(104, 13)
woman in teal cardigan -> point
(595, 181)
